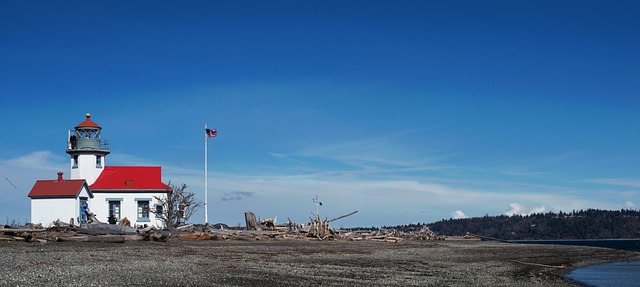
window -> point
(75, 162)
(159, 211)
(114, 208)
(143, 210)
(98, 161)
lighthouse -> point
(87, 151)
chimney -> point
(59, 176)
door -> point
(114, 209)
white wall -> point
(87, 168)
(48, 210)
(99, 205)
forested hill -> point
(583, 224)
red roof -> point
(57, 188)
(88, 123)
(130, 178)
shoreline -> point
(180, 262)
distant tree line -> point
(582, 224)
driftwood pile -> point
(267, 229)
(393, 235)
(90, 232)
(316, 229)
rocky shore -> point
(181, 262)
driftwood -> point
(60, 223)
(315, 229)
(184, 227)
(247, 235)
(125, 222)
(147, 229)
(250, 219)
(134, 237)
(265, 224)
(320, 229)
(19, 234)
(18, 230)
(196, 236)
(390, 235)
(103, 228)
(92, 238)
(343, 216)
(267, 229)
(161, 235)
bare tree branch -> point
(177, 207)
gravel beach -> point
(295, 263)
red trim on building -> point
(88, 123)
(58, 188)
(130, 178)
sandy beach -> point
(295, 263)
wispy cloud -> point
(19, 174)
(385, 155)
(42, 160)
(382, 150)
(565, 155)
(615, 181)
(278, 155)
(237, 195)
(389, 182)
(526, 173)
(381, 200)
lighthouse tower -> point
(87, 151)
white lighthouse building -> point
(118, 191)
(87, 151)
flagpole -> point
(206, 207)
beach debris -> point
(266, 229)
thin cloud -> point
(375, 151)
(278, 155)
(362, 190)
(568, 155)
(41, 160)
(237, 195)
(616, 181)
(526, 173)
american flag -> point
(209, 133)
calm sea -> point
(604, 275)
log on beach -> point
(93, 238)
(106, 229)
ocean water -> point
(618, 274)
(624, 244)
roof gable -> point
(58, 188)
(130, 178)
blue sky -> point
(407, 111)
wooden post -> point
(250, 219)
